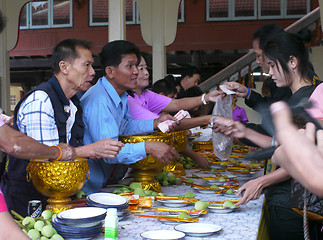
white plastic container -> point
(111, 225)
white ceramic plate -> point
(220, 209)
(198, 229)
(82, 213)
(200, 190)
(173, 203)
(107, 199)
(162, 234)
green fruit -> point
(189, 180)
(139, 191)
(172, 180)
(188, 166)
(148, 192)
(44, 238)
(34, 234)
(80, 195)
(200, 205)
(165, 183)
(190, 195)
(56, 237)
(117, 191)
(134, 185)
(160, 177)
(154, 194)
(222, 179)
(229, 191)
(215, 186)
(54, 215)
(161, 194)
(25, 231)
(28, 222)
(184, 215)
(170, 174)
(47, 231)
(47, 214)
(228, 204)
(39, 225)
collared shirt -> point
(36, 118)
(148, 106)
(106, 115)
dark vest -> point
(14, 180)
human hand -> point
(214, 95)
(229, 127)
(164, 117)
(105, 148)
(161, 151)
(238, 88)
(202, 161)
(68, 152)
(252, 190)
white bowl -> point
(108, 199)
(162, 235)
(198, 229)
(173, 203)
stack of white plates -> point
(109, 200)
(79, 223)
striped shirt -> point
(36, 118)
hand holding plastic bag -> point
(222, 144)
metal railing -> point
(242, 65)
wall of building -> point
(194, 34)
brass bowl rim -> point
(46, 160)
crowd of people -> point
(51, 121)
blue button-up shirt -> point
(106, 115)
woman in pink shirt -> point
(145, 104)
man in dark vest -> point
(51, 113)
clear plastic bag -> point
(222, 144)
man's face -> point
(81, 72)
(259, 58)
(193, 81)
(124, 77)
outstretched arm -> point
(19, 145)
(236, 129)
(192, 102)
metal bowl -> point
(148, 168)
(58, 180)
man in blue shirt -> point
(106, 114)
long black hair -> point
(281, 47)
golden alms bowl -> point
(180, 144)
(206, 145)
(58, 180)
(148, 168)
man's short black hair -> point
(113, 52)
(66, 50)
(2, 22)
(190, 71)
(264, 33)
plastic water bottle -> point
(111, 224)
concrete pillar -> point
(159, 66)
(117, 20)
(158, 22)
(8, 39)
